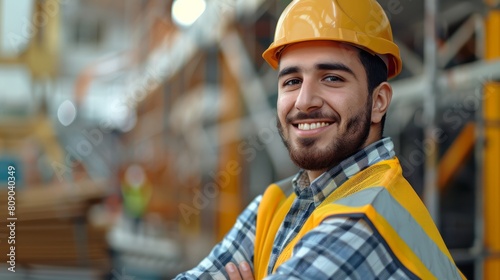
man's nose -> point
(308, 99)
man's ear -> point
(381, 100)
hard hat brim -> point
(378, 46)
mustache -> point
(312, 115)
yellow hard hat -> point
(362, 23)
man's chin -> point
(310, 145)
(306, 143)
(312, 158)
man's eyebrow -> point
(288, 70)
(335, 66)
(319, 66)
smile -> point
(311, 126)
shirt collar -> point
(321, 188)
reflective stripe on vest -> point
(400, 226)
(381, 196)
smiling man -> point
(348, 213)
(325, 113)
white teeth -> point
(307, 126)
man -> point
(349, 213)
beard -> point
(306, 155)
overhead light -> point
(186, 12)
(66, 113)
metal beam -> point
(430, 191)
(491, 175)
(456, 155)
(412, 61)
(453, 45)
(178, 49)
(464, 77)
(254, 94)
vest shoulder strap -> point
(273, 207)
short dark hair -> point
(376, 73)
(375, 68)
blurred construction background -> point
(139, 129)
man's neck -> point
(313, 174)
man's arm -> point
(236, 247)
(341, 248)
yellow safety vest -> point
(379, 194)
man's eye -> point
(333, 79)
(291, 82)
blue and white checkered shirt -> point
(339, 248)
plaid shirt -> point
(339, 248)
